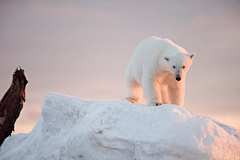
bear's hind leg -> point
(134, 92)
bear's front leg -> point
(152, 90)
(176, 93)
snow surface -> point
(71, 128)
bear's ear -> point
(191, 55)
(167, 59)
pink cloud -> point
(43, 8)
(225, 19)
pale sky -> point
(82, 48)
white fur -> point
(151, 70)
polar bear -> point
(158, 70)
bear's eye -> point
(183, 67)
(173, 66)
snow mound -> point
(72, 128)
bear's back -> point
(151, 51)
(148, 47)
(155, 48)
(173, 48)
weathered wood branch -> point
(12, 103)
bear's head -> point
(179, 64)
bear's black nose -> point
(178, 79)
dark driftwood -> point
(12, 103)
